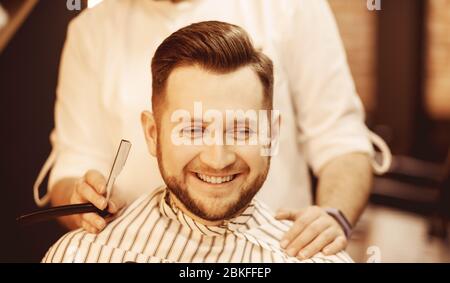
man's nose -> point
(217, 156)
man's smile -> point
(215, 179)
(227, 181)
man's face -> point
(212, 181)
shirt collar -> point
(229, 225)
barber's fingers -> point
(336, 246)
(94, 220)
(84, 191)
(115, 204)
(96, 180)
(308, 234)
(288, 214)
(316, 245)
(304, 219)
(88, 227)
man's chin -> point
(214, 202)
(213, 208)
(213, 217)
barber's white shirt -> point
(105, 83)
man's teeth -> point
(215, 180)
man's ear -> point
(150, 131)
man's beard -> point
(179, 188)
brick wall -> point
(438, 59)
(358, 29)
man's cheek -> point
(249, 152)
(182, 155)
(186, 150)
(251, 155)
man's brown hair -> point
(215, 46)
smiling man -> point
(207, 211)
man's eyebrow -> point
(196, 121)
(247, 121)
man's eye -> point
(193, 131)
(243, 133)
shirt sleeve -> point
(330, 115)
(79, 136)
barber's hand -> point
(92, 188)
(313, 231)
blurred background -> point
(400, 60)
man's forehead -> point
(240, 89)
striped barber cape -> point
(151, 230)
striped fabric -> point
(150, 230)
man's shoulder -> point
(265, 225)
(73, 246)
(151, 198)
(266, 213)
(274, 229)
(141, 205)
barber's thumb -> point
(285, 214)
(115, 204)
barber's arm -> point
(83, 154)
(332, 133)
